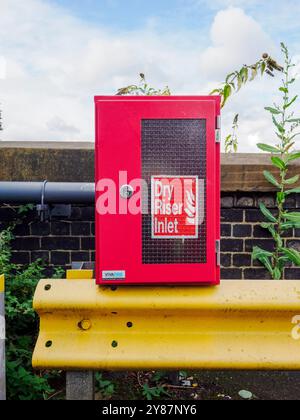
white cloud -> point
(2, 68)
(57, 63)
(236, 39)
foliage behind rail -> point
(21, 322)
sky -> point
(56, 55)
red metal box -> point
(157, 190)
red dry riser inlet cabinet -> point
(157, 190)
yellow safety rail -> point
(238, 325)
(1, 283)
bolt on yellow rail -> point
(238, 325)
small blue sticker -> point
(114, 275)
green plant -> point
(21, 321)
(22, 383)
(183, 374)
(59, 273)
(104, 386)
(22, 210)
(153, 392)
(21, 325)
(286, 126)
(153, 384)
(237, 79)
(234, 81)
(231, 141)
(158, 376)
(143, 88)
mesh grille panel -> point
(175, 148)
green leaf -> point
(263, 256)
(278, 162)
(244, 74)
(267, 213)
(226, 93)
(293, 156)
(288, 147)
(284, 90)
(292, 217)
(293, 191)
(263, 68)
(269, 177)
(253, 73)
(229, 76)
(265, 225)
(273, 110)
(279, 126)
(287, 226)
(267, 263)
(277, 273)
(290, 225)
(283, 47)
(292, 255)
(259, 252)
(282, 261)
(216, 91)
(267, 148)
(271, 229)
(292, 180)
(294, 120)
(291, 102)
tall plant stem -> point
(283, 172)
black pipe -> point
(54, 192)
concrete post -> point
(80, 386)
(2, 342)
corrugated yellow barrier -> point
(238, 325)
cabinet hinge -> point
(218, 129)
(218, 252)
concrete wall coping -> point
(60, 145)
(71, 161)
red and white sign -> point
(174, 207)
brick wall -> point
(57, 242)
(240, 230)
(61, 241)
(64, 240)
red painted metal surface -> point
(119, 245)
